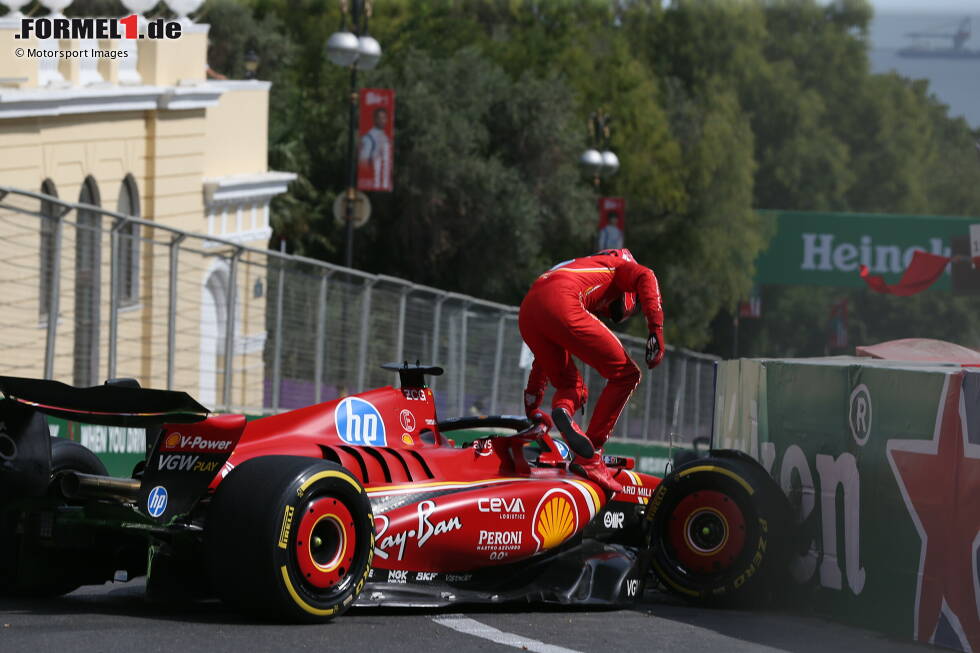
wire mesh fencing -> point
(247, 329)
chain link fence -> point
(251, 330)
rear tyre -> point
(719, 531)
(71, 456)
(290, 538)
(60, 573)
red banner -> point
(921, 273)
(612, 223)
(376, 148)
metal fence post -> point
(53, 300)
(462, 359)
(277, 352)
(321, 337)
(679, 398)
(365, 335)
(697, 398)
(666, 396)
(172, 309)
(647, 395)
(230, 327)
(400, 340)
(114, 296)
(498, 359)
(436, 325)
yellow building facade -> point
(146, 135)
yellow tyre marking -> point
(299, 601)
(327, 474)
(664, 577)
(721, 470)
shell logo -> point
(555, 519)
(407, 439)
(172, 440)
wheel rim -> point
(325, 542)
(707, 532)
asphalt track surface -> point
(116, 618)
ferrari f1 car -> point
(364, 500)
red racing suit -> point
(558, 320)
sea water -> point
(955, 82)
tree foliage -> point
(719, 107)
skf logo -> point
(555, 519)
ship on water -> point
(925, 48)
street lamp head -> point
(342, 48)
(251, 64)
(610, 163)
(368, 53)
(139, 6)
(591, 160)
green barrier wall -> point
(879, 460)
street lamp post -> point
(599, 161)
(353, 48)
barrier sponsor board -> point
(827, 249)
(882, 464)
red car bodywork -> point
(438, 508)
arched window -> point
(129, 243)
(88, 240)
(49, 223)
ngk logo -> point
(178, 442)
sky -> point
(926, 6)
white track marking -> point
(473, 627)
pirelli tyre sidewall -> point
(290, 538)
(717, 529)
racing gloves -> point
(532, 400)
(655, 347)
(539, 416)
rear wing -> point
(25, 449)
(115, 404)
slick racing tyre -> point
(289, 538)
(62, 574)
(71, 456)
(719, 531)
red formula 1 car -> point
(364, 500)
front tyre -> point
(290, 538)
(719, 530)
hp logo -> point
(562, 449)
(156, 503)
(359, 422)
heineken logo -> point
(828, 253)
(859, 416)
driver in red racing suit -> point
(558, 320)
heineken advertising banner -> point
(882, 464)
(827, 249)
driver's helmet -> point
(621, 308)
(624, 254)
